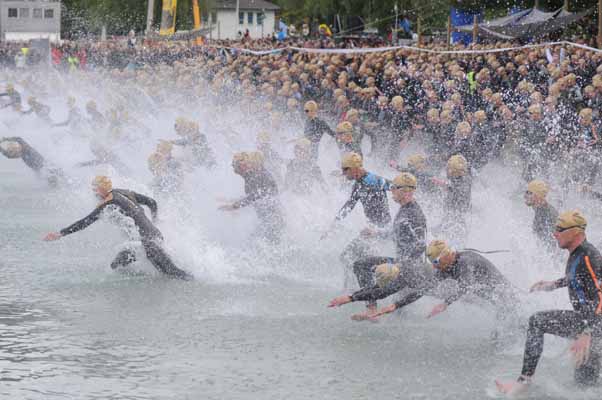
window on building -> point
(250, 18)
(37, 13)
(13, 13)
(241, 18)
(213, 17)
(260, 18)
(23, 12)
(48, 13)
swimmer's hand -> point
(52, 236)
(227, 207)
(368, 233)
(369, 315)
(543, 286)
(438, 182)
(438, 309)
(385, 310)
(581, 349)
(339, 301)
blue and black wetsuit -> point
(129, 203)
(371, 191)
(583, 271)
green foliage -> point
(82, 17)
(88, 16)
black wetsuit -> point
(41, 111)
(409, 235)
(97, 120)
(168, 179)
(544, 224)
(583, 271)
(457, 205)
(34, 160)
(203, 155)
(475, 275)
(128, 204)
(74, 119)
(459, 194)
(302, 175)
(261, 192)
(423, 178)
(314, 130)
(14, 99)
(29, 155)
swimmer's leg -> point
(123, 258)
(159, 258)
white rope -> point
(394, 48)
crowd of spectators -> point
(546, 98)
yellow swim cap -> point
(384, 274)
(351, 160)
(12, 149)
(457, 166)
(405, 181)
(538, 188)
(164, 147)
(436, 248)
(103, 182)
(417, 161)
(571, 219)
(264, 137)
(311, 106)
(344, 127)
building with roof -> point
(30, 19)
(258, 16)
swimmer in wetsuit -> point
(315, 128)
(16, 147)
(457, 203)
(302, 172)
(41, 111)
(104, 155)
(192, 138)
(409, 234)
(417, 167)
(583, 323)
(261, 192)
(370, 190)
(545, 215)
(74, 117)
(475, 275)
(97, 121)
(14, 98)
(129, 204)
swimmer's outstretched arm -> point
(77, 226)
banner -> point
(168, 17)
